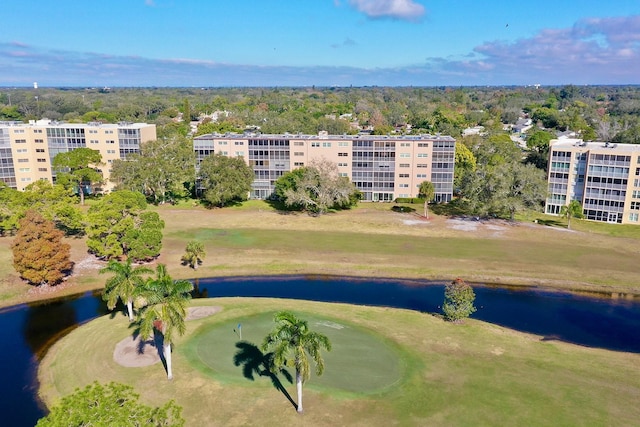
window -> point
(326, 144)
(315, 144)
(298, 164)
(239, 143)
(405, 144)
(42, 169)
(25, 169)
(21, 141)
(42, 160)
(298, 144)
(421, 175)
(111, 151)
(343, 174)
(239, 153)
(39, 141)
(422, 165)
(343, 154)
(633, 217)
(21, 150)
(224, 153)
(423, 155)
(405, 155)
(222, 142)
(39, 150)
(423, 144)
(403, 185)
(404, 165)
(110, 141)
(25, 179)
(23, 160)
(343, 164)
(403, 175)
(343, 144)
(37, 131)
(298, 153)
(18, 131)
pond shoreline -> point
(541, 285)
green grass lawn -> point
(362, 362)
(441, 374)
(372, 241)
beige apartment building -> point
(383, 168)
(27, 149)
(604, 177)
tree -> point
(224, 179)
(119, 226)
(293, 343)
(78, 168)
(318, 188)
(427, 191)
(165, 310)
(160, 171)
(572, 210)
(123, 285)
(194, 254)
(112, 404)
(465, 164)
(39, 254)
(458, 301)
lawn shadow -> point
(157, 341)
(552, 223)
(255, 362)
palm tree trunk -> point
(166, 349)
(130, 309)
(299, 390)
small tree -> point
(224, 179)
(294, 345)
(572, 210)
(78, 167)
(194, 254)
(39, 254)
(124, 284)
(427, 191)
(458, 301)
(110, 405)
(165, 310)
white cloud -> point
(407, 10)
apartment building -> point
(383, 168)
(604, 177)
(27, 149)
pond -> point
(28, 330)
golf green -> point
(361, 361)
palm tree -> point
(124, 284)
(165, 309)
(428, 192)
(572, 210)
(292, 342)
(194, 254)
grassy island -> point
(422, 371)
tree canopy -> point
(112, 404)
(118, 225)
(224, 179)
(79, 169)
(317, 188)
(39, 254)
(458, 300)
(163, 169)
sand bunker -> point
(132, 353)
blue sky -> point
(318, 42)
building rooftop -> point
(322, 136)
(595, 145)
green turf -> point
(361, 361)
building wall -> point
(27, 150)
(383, 168)
(603, 177)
